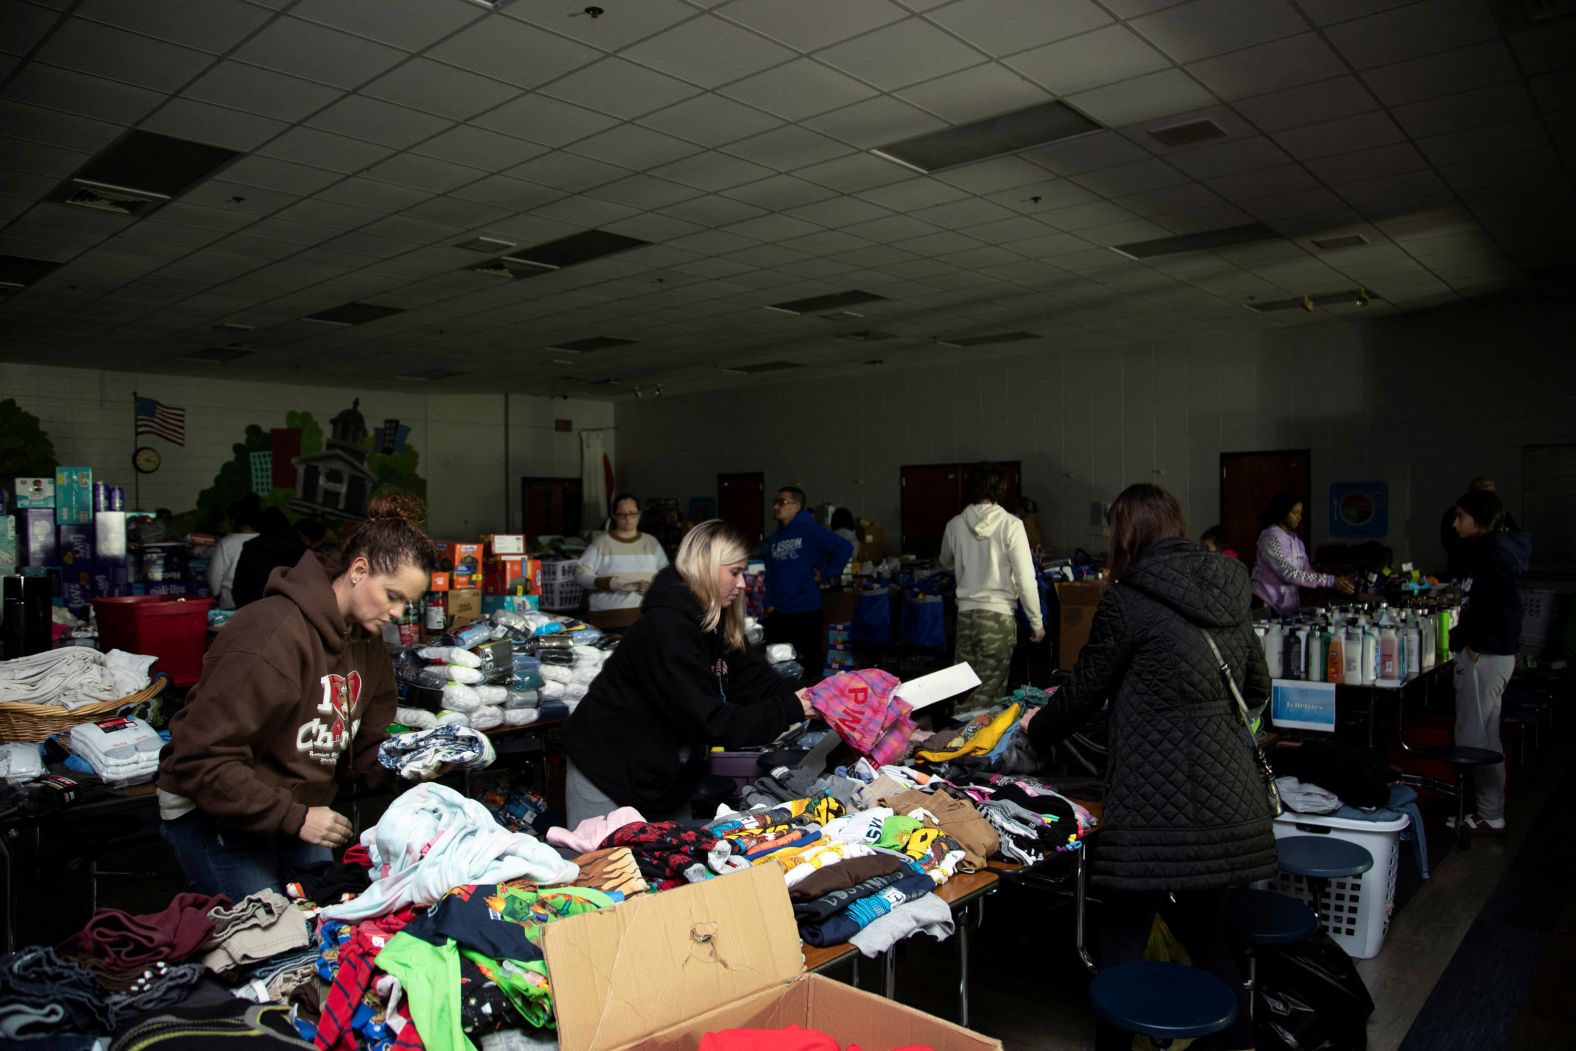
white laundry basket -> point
(559, 590)
(1354, 910)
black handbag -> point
(1266, 775)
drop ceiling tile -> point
(187, 119)
(1468, 109)
(1549, 47)
(567, 171)
(779, 192)
(891, 229)
(410, 25)
(992, 176)
(798, 89)
(1145, 98)
(1413, 31)
(478, 148)
(538, 118)
(100, 50)
(25, 26)
(620, 88)
(787, 148)
(436, 88)
(712, 171)
(283, 176)
(898, 55)
(512, 52)
(1391, 188)
(1364, 131)
(911, 194)
(1445, 74)
(370, 193)
(1266, 182)
(320, 149)
(970, 211)
(1008, 231)
(1184, 197)
(1329, 12)
(711, 210)
(1502, 170)
(1092, 60)
(1269, 67)
(1204, 28)
(1230, 158)
(840, 213)
(976, 93)
(424, 173)
(1366, 164)
(36, 158)
(315, 52)
(1308, 104)
(1492, 140)
(1136, 177)
(585, 212)
(331, 215)
(1290, 205)
(713, 242)
(1005, 27)
(70, 92)
(1086, 216)
(710, 120)
(215, 27)
(1039, 198)
(242, 87)
(1555, 91)
(380, 122)
(808, 25)
(708, 52)
(634, 147)
(937, 244)
(1104, 149)
(630, 23)
(879, 121)
(773, 228)
(644, 192)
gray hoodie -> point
(988, 550)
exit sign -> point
(564, 426)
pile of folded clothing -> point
(121, 751)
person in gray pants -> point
(1486, 641)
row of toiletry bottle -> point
(1358, 652)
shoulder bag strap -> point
(1266, 774)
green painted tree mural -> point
(233, 481)
(311, 433)
(25, 448)
(396, 470)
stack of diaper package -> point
(121, 751)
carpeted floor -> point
(1511, 973)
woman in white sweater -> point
(617, 568)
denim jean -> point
(220, 860)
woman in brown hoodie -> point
(296, 692)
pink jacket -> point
(1282, 568)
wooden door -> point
(741, 502)
(551, 506)
(1248, 482)
(933, 493)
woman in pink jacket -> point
(1283, 567)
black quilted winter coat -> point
(1184, 806)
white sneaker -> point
(1480, 825)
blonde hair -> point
(702, 554)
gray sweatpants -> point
(1479, 686)
(585, 800)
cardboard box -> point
(505, 543)
(510, 603)
(1078, 602)
(464, 606)
(32, 493)
(74, 495)
(660, 971)
(35, 537)
(872, 543)
(466, 559)
(501, 574)
(75, 543)
(465, 582)
(937, 686)
(441, 581)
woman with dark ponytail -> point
(295, 695)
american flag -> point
(161, 421)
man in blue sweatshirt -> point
(802, 554)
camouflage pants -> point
(986, 640)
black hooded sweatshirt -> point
(1185, 808)
(669, 692)
(1491, 608)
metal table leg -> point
(889, 964)
(963, 962)
(1082, 898)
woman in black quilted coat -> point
(1185, 810)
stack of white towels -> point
(121, 751)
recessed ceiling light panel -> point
(834, 301)
(991, 137)
(1223, 238)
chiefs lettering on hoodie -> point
(287, 692)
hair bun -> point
(391, 505)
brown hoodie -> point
(286, 690)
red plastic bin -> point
(173, 629)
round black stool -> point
(1163, 1001)
(1319, 859)
(1265, 917)
(1460, 759)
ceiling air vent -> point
(353, 314)
(868, 335)
(1350, 296)
(102, 197)
(1224, 238)
(485, 245)
(991, 137)
(586, 346)
(511, 268)
(987, 340)
(835, 301)
(1189, 134)
(1330, 244)
(762, 366)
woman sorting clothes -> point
(1186, 811)
(683, 679)
(296, 695)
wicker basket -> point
(28, 721)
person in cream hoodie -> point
(989, 551)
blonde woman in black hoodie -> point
(295, 695)
(683, 679)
